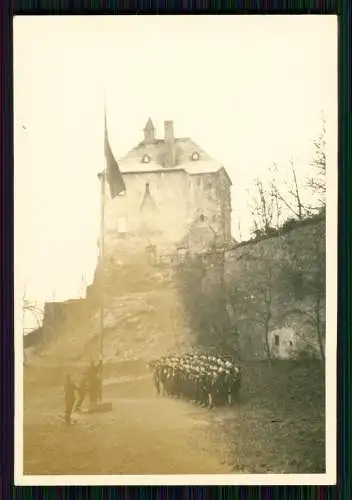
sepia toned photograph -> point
(175, 186)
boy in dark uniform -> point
(201, 388)
(82, 391)
(69, 390)
(235, 384)
(214, 389)
(177, 390)
(222, 388)
(156, 377)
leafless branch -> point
(317, 181)
(293, 202)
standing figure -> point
(214, 390)
(177, 382)
(204, 390)
(69, 390)
(156, 377)
(82, 391)
(163, 378)
(222, 388)
(168, 380)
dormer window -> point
(195, 156)
(146, 159)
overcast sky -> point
(249, 90)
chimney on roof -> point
(170, 150)
(149, 132)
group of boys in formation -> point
(204, 379)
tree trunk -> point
(267, 322)
(319, 329)
(266, 336)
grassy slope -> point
(280, 424)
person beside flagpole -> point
(112, 176)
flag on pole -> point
(113, 174)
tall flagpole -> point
(101, 257)
(102, 178)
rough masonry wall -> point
(267, 294)
(170, 193)
(284, 276)
(211, 196)
(178, 200)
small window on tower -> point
(146, 159)
(277, 340)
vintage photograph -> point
(175, 182)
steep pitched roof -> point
(132, 162)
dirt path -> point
(279, 426)
(144, 434)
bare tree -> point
(263, 208)
(315, 284)
(306, 267)
(260, 273)
(202, 290)
(273, 170)
(290, 194)
(35, 311)
(317, 182)
(251, 298)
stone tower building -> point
(171, 185)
